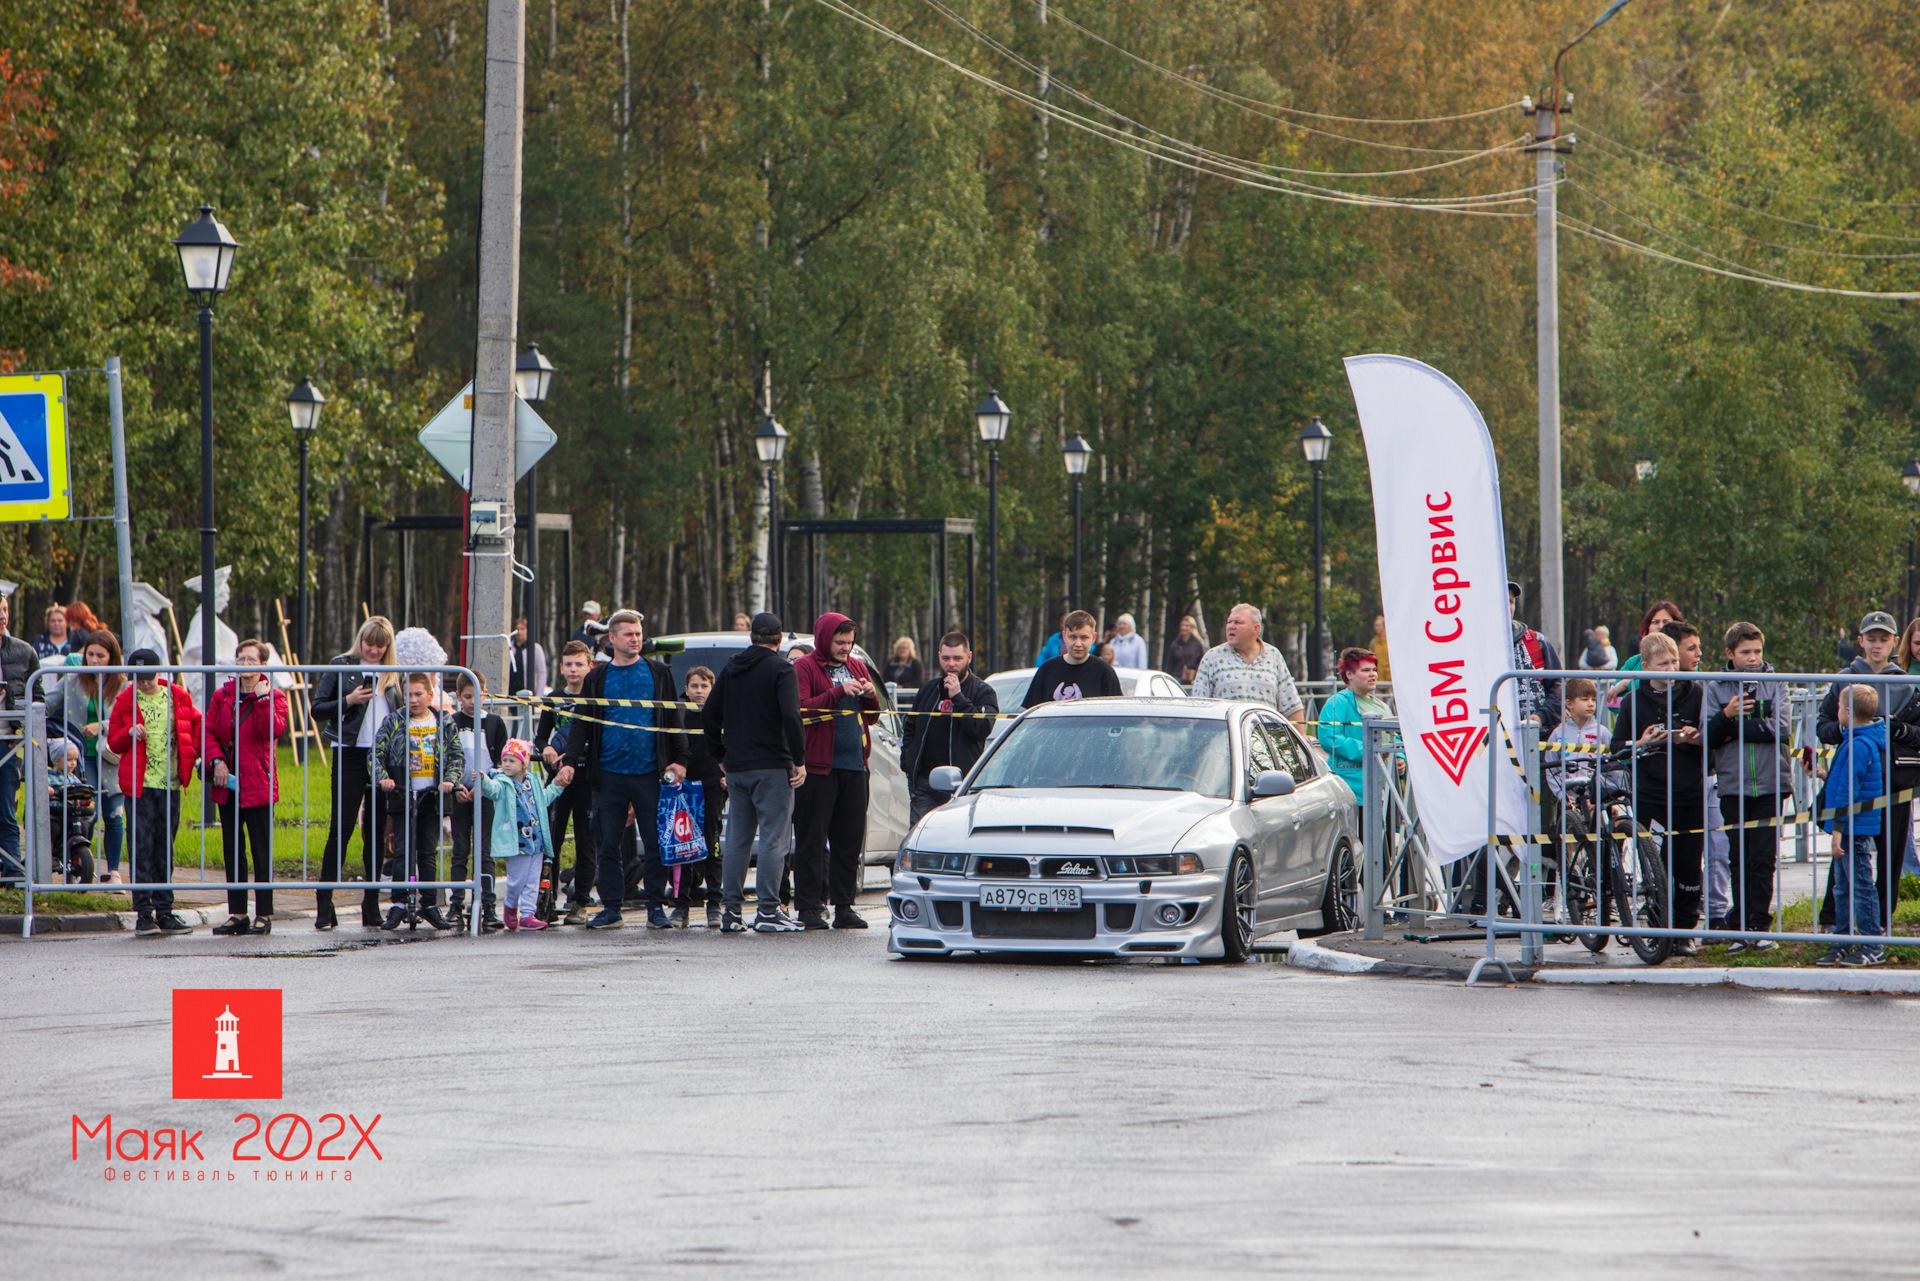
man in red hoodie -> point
(837, 704)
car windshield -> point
(1163, 753)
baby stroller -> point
(72, 814)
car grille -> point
(1070, 869)
(1002, 867)
(992, 923)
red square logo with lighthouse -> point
(226, 1043)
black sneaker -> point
(1686, 947)
(144, 924)
(813, 919)
(395, 915)
(680, 918)
(491, 923)
(730, 923)
(170, 923)
(1866, 954)
(847, 919)
(713, 916)
(657, 919)
(234, 925)
(1834, 955)
(607, 918)
(779, 923)
(431, 915)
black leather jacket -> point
(340, 720)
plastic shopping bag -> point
(683, 823)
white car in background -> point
(887, 797)
(1131, 827)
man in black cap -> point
(752, 723)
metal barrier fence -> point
(1603, 855)
(44, 845)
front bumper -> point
(939, 915)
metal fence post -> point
(1373, 811)
(1531, 943)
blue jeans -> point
(9, 802)
(613, 794)
(1856, 906)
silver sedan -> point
(1131, 827)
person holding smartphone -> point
(1663, 717)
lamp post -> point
(206, 252)
(532, 375)
(770, 442)
(1077, 453)
(303, 407)
(1317, 442)
(992, 418)
(1910, 477)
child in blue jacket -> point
(520, 805)
(1853, 780)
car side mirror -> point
(946, 778)
(1272, 782)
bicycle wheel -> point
(1641, 895)
(1580, 899)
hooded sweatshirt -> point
(1752, 755)
(752, 717)
(830, 740)
(1854, 778)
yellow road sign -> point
(33, 448)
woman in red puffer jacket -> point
(245, 719)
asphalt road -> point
(646, 1104)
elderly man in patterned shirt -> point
(1248, 669)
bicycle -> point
(1599, 882)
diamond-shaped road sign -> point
(449, 437)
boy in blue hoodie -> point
(1853, 781)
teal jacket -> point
(505, 840)
(1344, 740)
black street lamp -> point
(206, 252)
(1077, 453)
(1910, 477)
(532, 375)
(770, 442)
(992, 418)
(1317, 442)
(303, 407)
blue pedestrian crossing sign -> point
(33, 448)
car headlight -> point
(923, 862)
(1156, 865)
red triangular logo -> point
(1454, 749)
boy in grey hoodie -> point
(1749, 742)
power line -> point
(1771, 191)
(1217, 166)
(1604, 236)
(1741, 235)
(1758, 213)
(1242, 99)
(1027, 65)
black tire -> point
(1581, 898)
(1239, 909)
(1642, 899)
(1340, 902)
(80, 865)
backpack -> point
(1536, 649)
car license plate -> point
(1031, 898)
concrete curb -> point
(1307, 955)
(109, 922)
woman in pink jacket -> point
(245, 719)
